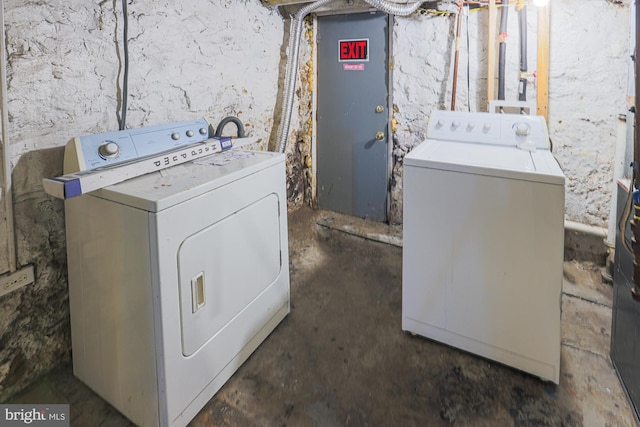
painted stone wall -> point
(202, 58)
(587, 91)
(588, 67)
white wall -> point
(588, 78)
(190, 59)
(587, 91)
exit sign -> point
(353, 50)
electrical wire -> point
(125, 75)
(434, 12)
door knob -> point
(379, 109)
(379, 135)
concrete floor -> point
(340, 357)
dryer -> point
(484, 239)
(175, 278)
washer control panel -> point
(525, 132)
(112, 148)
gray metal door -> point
(352, 114)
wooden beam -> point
(542, 92)
(491, 53)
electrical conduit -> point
(293, 51)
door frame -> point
(314, 102)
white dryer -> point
(175, 278)
(484, 239)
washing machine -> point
(175, 276)
(484, 239)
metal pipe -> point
(7, 186)
(522, 27)
(456, 58)
(504, 15)
(295, 32)
(293, 51)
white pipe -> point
(591, 230)
(6, 164)
(293, 51)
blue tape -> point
(72, 188)
(225, 142)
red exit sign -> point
(353, 50)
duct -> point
(293, 51)
(295, 33)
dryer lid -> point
(489, 160)
(157, 191)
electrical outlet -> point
(13, 281)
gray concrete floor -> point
(340, 357)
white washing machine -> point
(175, 277)
(484, 239)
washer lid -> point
(160, 190)
(489, 160)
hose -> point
(224, 122)
(504, 14)
(294, 46)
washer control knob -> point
(175, 136)
(203, 131)
(439, 124)
(470, 126)
(455, 125)
(189, 133)
(108, 150)
(486, 128)
(522, 129)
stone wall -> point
(187, 60)
(588, 81)
(587, 91)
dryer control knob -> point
(439, 123)
(175, 136)
(486, 128)
(455, 125)
(522, 129)
(189, 133)
(470, 126)
(108, 150)
(203, 131)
